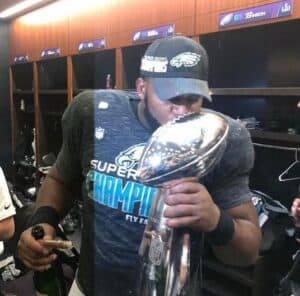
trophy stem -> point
(164, 254)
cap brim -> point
(167, 88)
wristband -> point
(45, 214)
(224, 231)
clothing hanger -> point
(276, 147)
(283, 176)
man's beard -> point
(152, 122)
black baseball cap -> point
(177, 65)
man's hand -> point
(190, 205)
(33, 253)
(295, 210)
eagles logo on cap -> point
(186, 59)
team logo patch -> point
(186, 59)
(137, 36)
(226, 19)
(99, 133)
(130, 157)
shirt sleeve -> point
(7, 208)
(230, 185)
(68, 161)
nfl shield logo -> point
(99, 133)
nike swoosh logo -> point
(7, 206)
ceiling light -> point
(18, 8)
(61, 10)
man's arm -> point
(232, 196)
(191, 205)
(55, 193)
(58, 191)
(243, 249)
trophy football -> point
(189, 145)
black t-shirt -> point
(102, 144)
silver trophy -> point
(189, 145)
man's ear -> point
(140, 85)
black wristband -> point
(45, 214)
(224, 231)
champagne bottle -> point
(49, 282)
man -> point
(104, 134)
(7, 210)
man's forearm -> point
(55, 193)
(243, 249)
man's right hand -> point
(32, 252)
(295, 210)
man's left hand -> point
(190, 205)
